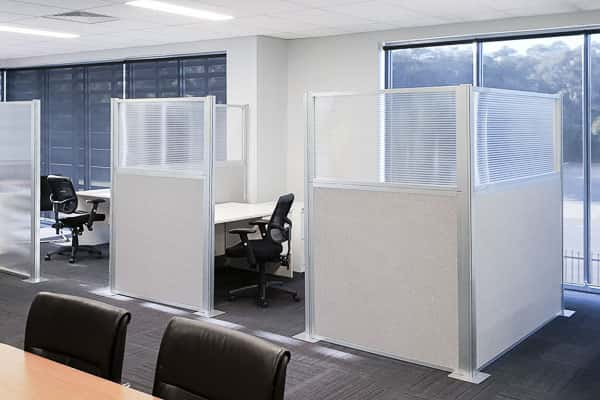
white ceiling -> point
(279, 18)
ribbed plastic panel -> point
(163, 136)
(514, 136)
(229, 133)
(16, 187)
(406, 137)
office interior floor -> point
(561, 361)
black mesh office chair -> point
(64, 201)
(268, 249)
(198, 360)
(84, 334)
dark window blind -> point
(75, 106)
(75, 118)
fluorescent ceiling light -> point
(179, 10)
(37, 32)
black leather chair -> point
(268, 249)
(201, 361)
(84, 334)
(64, 201)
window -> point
(431, 66)
(547, 64)
(550, 65)
(199, 76)
(75, 113)
(75, 106)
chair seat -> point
(264, 250)
(79, 219)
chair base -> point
(72, 251)
(262, 293)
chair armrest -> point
(262, 225)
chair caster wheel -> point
(296, 298)
(263, 303)
(47, 258)
(71, 261)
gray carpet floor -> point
(561, 361)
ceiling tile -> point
(29, 9)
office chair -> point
(259, 252)
(64, 201)
(198, 360)
(84, 334)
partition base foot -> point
(34, 281)
(209, 314)
(305, 337)
(567, 313)
(476, 378)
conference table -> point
(25, 376)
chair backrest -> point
(61, 189)
(45, 203)
(84, 334)
(201, 361)
(279, 223)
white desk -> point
(225, 213)
(101, 232)
(227, 216)
(234, 212)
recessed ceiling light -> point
(37, 32)
(179, 10)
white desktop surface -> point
(95, 194)
(233, 212)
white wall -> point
(355, 62)
(243, 80)
(272, 95)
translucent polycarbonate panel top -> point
(229, 133)
(406, 137)
(514, 135)
(16, 187)
(166, 135)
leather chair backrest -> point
(84, 334)
(62, 189)
(201, 361)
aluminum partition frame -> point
(207, 308)
(34, 275)
(466, 334)
(244, 108)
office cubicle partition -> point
(20, 189)
(516, 212)
(230, 153)
(162, 201)
(401, 257)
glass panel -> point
(432, 66)
(595, 149)
(16, 203)
(229, 133)
(551, 65)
